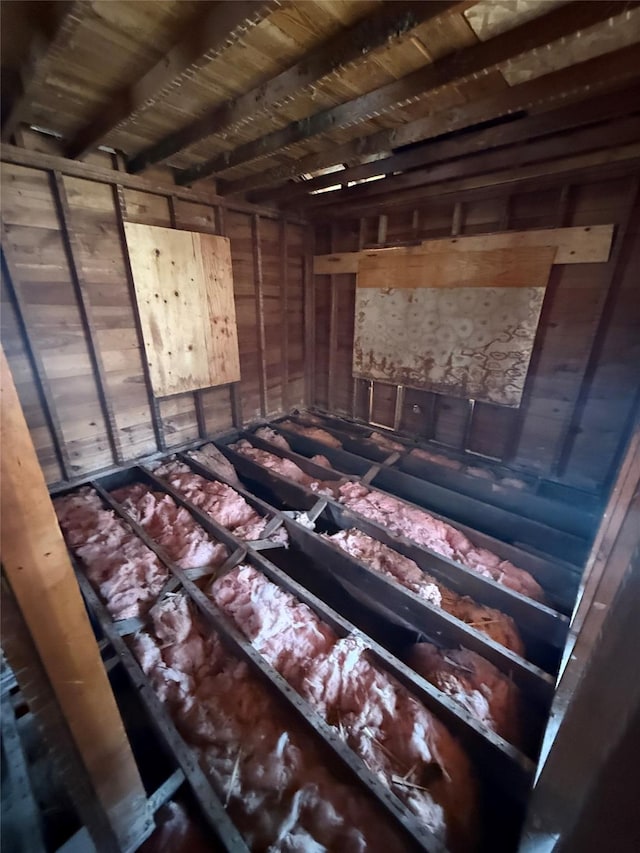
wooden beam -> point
(309, 319)
(284, 312)
(216, 26)
(259, 298)
(87, 171)
(481, 57)
(601, 108)
(577, 245)
(579, 141)
(341, 50)
(545, 92)
(613, 161)
(37, 565)
(54, 25)
(333, 333)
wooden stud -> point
(383, 222)
(456, 224)
(43, 387)
(154, 408)
(309, 320)
(235, 389)
(603, 313)
(259, 299)
(333, 332)
(505, 219)
(83, 299)
(36, 563)
(284, 312)
(397, 412)
(355, 382)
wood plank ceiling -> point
(273, 97)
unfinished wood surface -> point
(412, 268)
(36, 563)
(184, 291)
(586, 245)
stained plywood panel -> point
(184, 291)
(576, 245)
(412, 268)
(415, 327)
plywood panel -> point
(576, 245)
(184, 290)
(413, 268)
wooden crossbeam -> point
(601, 108)
(607, 135)
(390, 22)
(54, 24)
(216, 26)
(481, 57)
(37, 566)
(544, 92)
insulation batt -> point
(313, 432)
(384, 560)
(270, 435)
(438, 458)
(284, 467)
(172, 527)
(416, 524)
(266, 767)
(473, 682)
(399, 740)
(126, 573)
(385, 442)
(210, 457)
(219, 501)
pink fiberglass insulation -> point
(398, 739)
(313, 432)
(210, 457)
(385, 442)
(416, 524)
(438, 458)
(473, 682)
(126, 573)
(285, 467)
(219, 501)
(267, 769)
(406, 572)
(172, 527)
(270, 435)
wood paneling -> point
(46, 339)
(184, 289)
(579, 335)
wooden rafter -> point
(478, 58)
(600, 108)
(217, 25)
(349, 45)
(545, 92)
(54, 23)
(604, 135)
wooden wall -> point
(69, 323)
(584, 379)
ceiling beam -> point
(216, 27)
(598, 165)
(53, 26)
(578, 141)
(605, 106)
(348, 46)
(542, 93)
(478, 58)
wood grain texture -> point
(411, 268)
(184, 291)
(577, 245)
(36, 563)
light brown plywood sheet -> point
(413, 268)
(575, 245)
(184, 290)
(458, 326)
